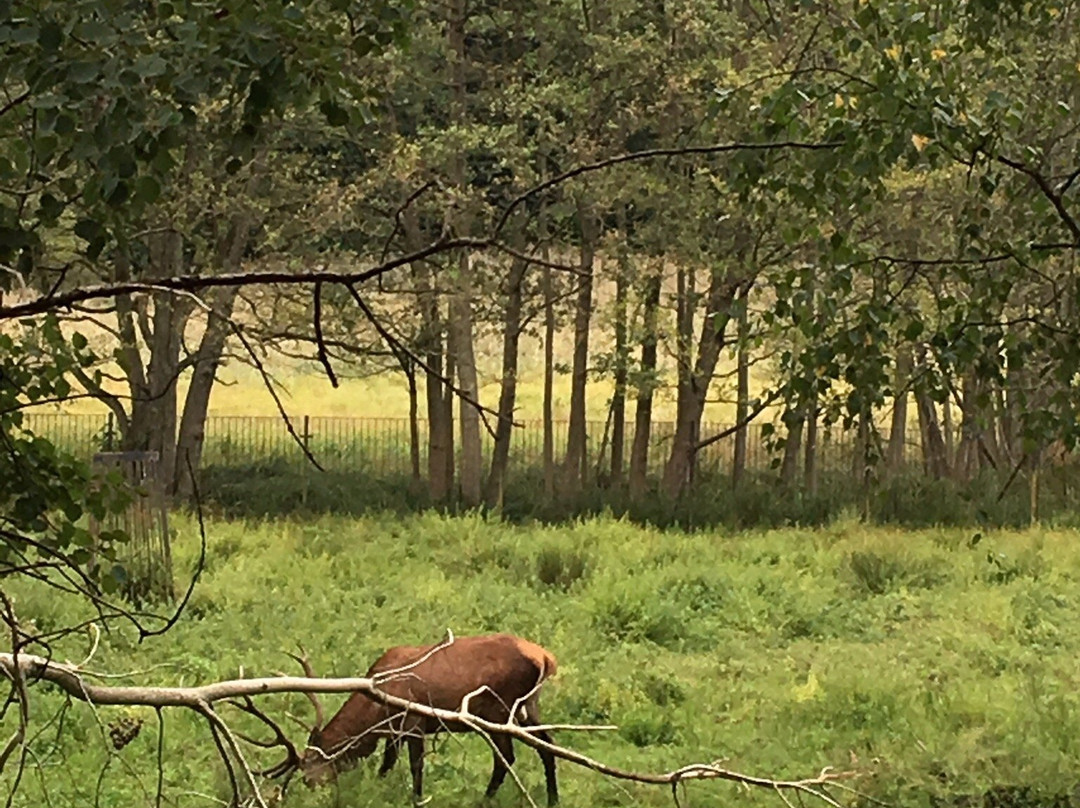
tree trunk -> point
(192, 433)
(898, 426)
(189, 446)
(967, 451)
(789, 465)
(810, 464)
(461, 333)
(933, 444)
(549, 379)
(575, 440)
(504, 429)
(153, 422)
(947, 430)
(461, 317)
(639, 450)
(440, 424)
(684, 373)
(742, 397)
(692, 393)
(861, 459)
(622, 363)
(450, 458)
(408, 367)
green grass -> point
(943, 661)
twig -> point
(761, 407)
(650, 154)
(268, 383)
(160, 757)
(394, 342)
(324, 358)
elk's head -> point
(329, 748)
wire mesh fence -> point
(384, 446)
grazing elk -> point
(493, 674)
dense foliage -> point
(867, 203)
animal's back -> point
(510, 666)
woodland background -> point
(706, 265)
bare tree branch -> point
(202, 699)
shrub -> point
(648, 728)
(561, 567)
(627, 611)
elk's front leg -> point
(416, 766)
(390, 755)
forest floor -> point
(941, 663)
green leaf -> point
(147, 189)
(24, 34)
(88, 229)
(335, 114)
(150, 66)
(51, 36)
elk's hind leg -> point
(548, 760)
(531, 717)
(503, 754)
(390, 755)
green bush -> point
(561, 567)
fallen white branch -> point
(202, 699)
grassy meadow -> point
(940, 663)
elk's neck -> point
(351, 733)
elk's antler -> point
(305, 663)
(292, 757)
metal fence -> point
(381, 446)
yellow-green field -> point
(305, 390)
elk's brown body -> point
(497, 672)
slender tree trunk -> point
(692, 394)
(861, 464)
(639, 450)
(933, 444)
(189, 446)
(947, 430)
(684, 375)
(967, 451)
(576, 437)
(461, 332)
(461, 315)
(622, 363)
(549, 379)
(789, 465)
(408, 367)
(742, 397)
(450, 458)
(192, 432)
(810, 464)
(440, 425)
(504, 429)
(898, 425)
